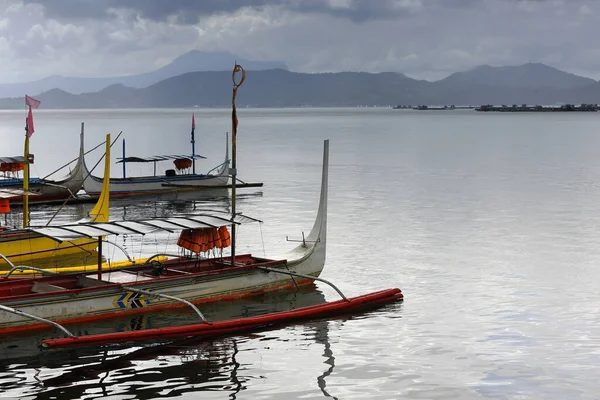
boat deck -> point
(10, 288)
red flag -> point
(193, 122)
(31, 102)
(29, 124)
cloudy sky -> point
(426, 39)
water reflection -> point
(322, 337)
(155, 369)
(176, 203)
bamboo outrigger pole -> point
(234, 122)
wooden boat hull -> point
(126, 187)
(110, 299)
(48, 190)
(27, 344)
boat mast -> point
(234, 122)
(124, 158)
(26, 182)
(193, 145)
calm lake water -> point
(489, 223)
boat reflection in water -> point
(174, 368)
(177, 203)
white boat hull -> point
(144, 185)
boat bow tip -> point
(317, 237)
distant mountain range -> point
(192, 61)
(529, 83)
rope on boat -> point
(88, 174)
(70, 162)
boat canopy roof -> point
(81, 230)
(163, 157)
(10, 160)
(8, 193)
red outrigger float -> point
(186, 280)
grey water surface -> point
(489, 223)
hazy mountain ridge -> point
(192, 61)
(282, 88)
(531, 75)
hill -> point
(534, 76)
(192, 61)
(282, 88)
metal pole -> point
(233, 171)
(26, 183)
(193, 145)
(123, 157)
(99, 258)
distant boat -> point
(423, 108)
(46, 189)
(170, 181)
(539, 108)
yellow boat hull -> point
(27, 248)
(23, 248)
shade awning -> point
(164, 157)
(81, 230)
(10, 160)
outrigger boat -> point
(23, 245)
(184, 281)
(46, 189)
(183, 176)
(18, 246)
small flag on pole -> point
(31, 102)
(193, 128)
(29, 129)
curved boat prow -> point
(224, 170)
(319, 230)
(100, 211)
(313, 249)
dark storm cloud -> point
(188, 11)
